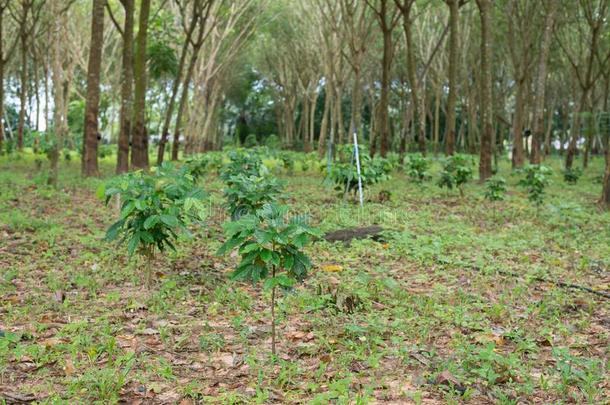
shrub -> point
(457, 170)
(242, 162)
(247, 194)
(344, 173)
(571, 176)
(250, 141)
(273, 142)
(271, 249)
(417, 167)
(535, 180)
(495, 188)
(154, 209)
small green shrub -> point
(571, 176)
(250, 141)
(242, 162)
(154, 209)
(273, 142)
(271, 249)
(495, 189)
(417, 168)
(247, 194)
(344, 173)
(535, 181)
(457, 170)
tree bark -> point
(454, 18)
(139, 143)
(485, 161)
(538, 130)
(518, 152)
(126, 112)
(91, 136)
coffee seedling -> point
(571, 176)
(155, 209)
(271, 249)
(535, 180)
(457, 170)
(417, 168)
(495, 189)
(248, 194)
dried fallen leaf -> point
(69, 368)
(332, 268)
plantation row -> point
(156, 207)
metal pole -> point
(358, 169)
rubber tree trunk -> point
(453, 75)
(538, 130)
(23, 88)
(92, 103)
(139, 154)
(486, 107)
(126, 112)
(518, 152)
(382, 123)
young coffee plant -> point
(198, 165)
(571, 176)
(155, 208)
(535, 181)
(495, 189)
(457, 170)
(417, 168)
(271, 249)
(246, 195)
(344, 173)
(242, 162)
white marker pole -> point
(358, 169)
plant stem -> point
(273, 316)
(149, 259)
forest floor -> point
(449, 308)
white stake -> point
(358, 169)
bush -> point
(154, 209)
(571, 176)
(417, 167)
(495, 188)
(247, 194)
(250, 141)
(242, 162)
(457, 170)
(535, 181)
(273, 142)
(344, 173)
(270, 248)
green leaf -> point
(169, 220)
(133, 244)
(151, 221)
(101, 191)
(281, 280)
(113, 231)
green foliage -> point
(198, 165)
(155, 208)
(273, 142)
(247, 194)
(457, 170)
(535, 181)
(250, 141)
(572, 175)
(417, 167)
(495, 189)
(242, 162)
(268, 244)
(344, 171)
(287, 158)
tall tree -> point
(406, 9)
(486, 106)
(126, 109)
(139, 142)
(454, 18)
(387, 18)
(92, 104)
(550, 7)
(5, 54)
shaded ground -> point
(426, 316)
